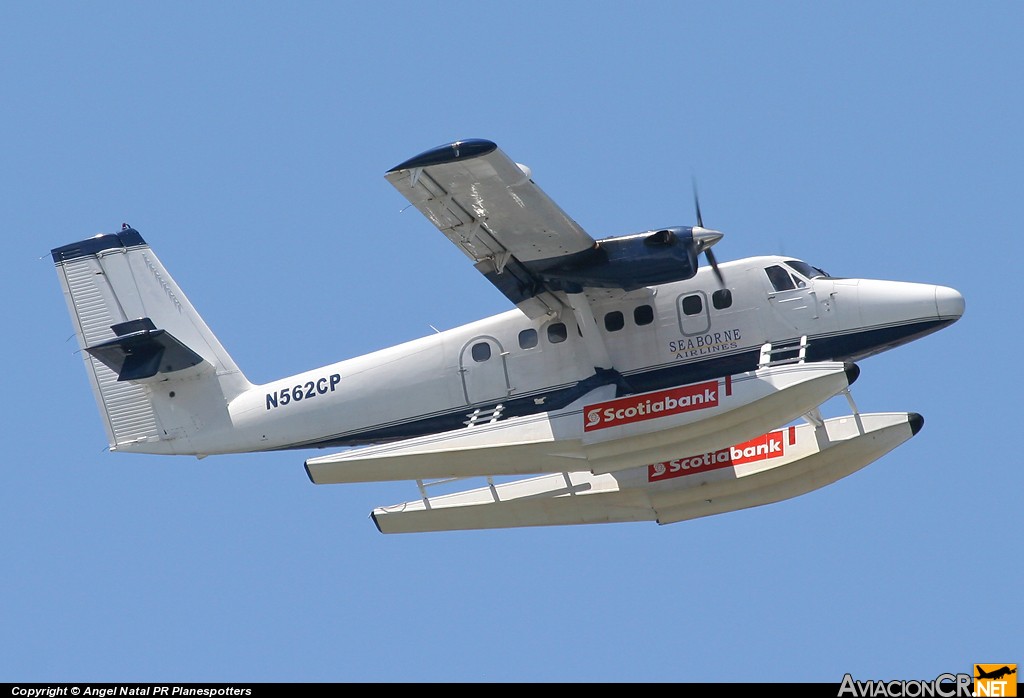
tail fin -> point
(160, 377)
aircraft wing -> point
(489, 207)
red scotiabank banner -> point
(637, 408)
(771, 445)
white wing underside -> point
(490, 208)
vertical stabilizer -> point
(161, 378)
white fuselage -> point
(510, 365)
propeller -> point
(704, 238)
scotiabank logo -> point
(771, 445)
(637, 408)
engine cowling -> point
(629, 262)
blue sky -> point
(248, 143)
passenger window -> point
(721, 298)
(692, 305)
(481, 351)
(528, 339)
(643, 315)
(780, 278)
(613, 321)
(557, 333)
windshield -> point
(806, 269)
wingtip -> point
(449, 152)
(127, 237)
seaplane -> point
(628, 382)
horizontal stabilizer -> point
(140, 350)
(778, 465)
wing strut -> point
(592, 338)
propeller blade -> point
(714, 266)
(706, 238)
(696, 204)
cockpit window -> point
(805, 269)
(780, 278)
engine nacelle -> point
(627, 262)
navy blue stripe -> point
(860, 345)
(681, 374)
(848, 347)
(129, 237)
(520, 406)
